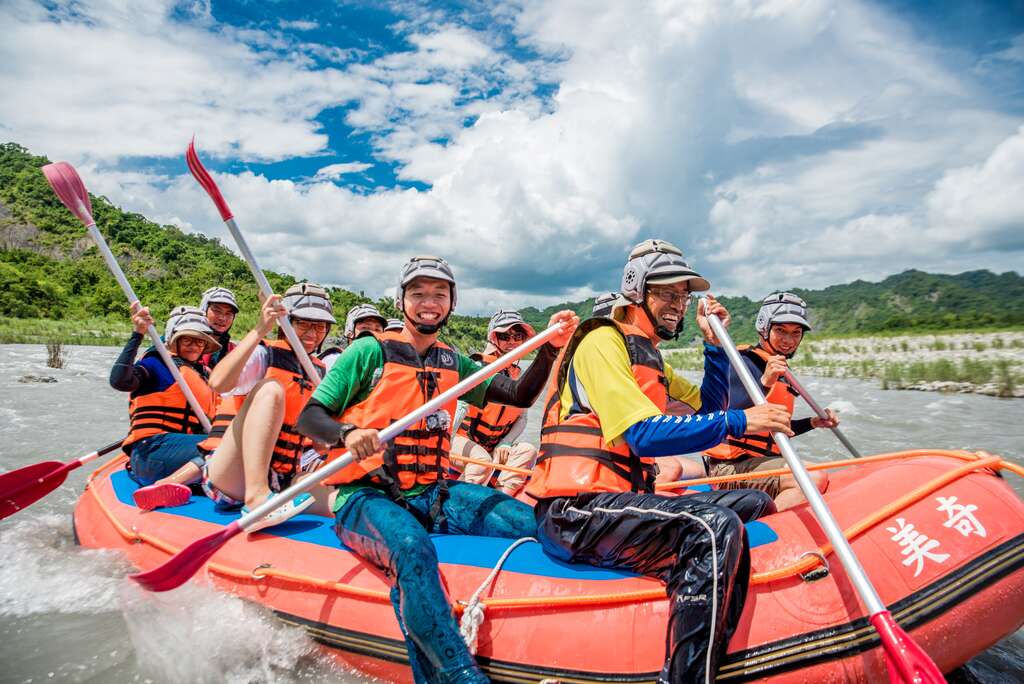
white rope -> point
(473, 614)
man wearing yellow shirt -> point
(605, 422)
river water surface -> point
(68, 614)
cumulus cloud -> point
(813, 141)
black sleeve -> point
(316, 422)
(800, 426)
(523, 392)
(125, 376)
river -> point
(67, 614)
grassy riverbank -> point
(989, 363)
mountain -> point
(50, 271)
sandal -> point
(282, 513)
(161, 496)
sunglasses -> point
(511, 335)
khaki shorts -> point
(751, 464)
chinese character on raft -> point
(960, 516)
(916, 546)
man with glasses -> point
(490, 433)
(606, 421)
(220, 307)
(781, 323)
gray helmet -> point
(188, 321)
(394, 324)
(656, 262)
(218, 295)
(605, 304)
(358, 313)
(425, 267)
(309, 302)
(781, 307)
(505, 320)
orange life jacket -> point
(419, 455)
(489, 425)
(284, 367)
(759, 444)
(574, 458)
(227, 408)
(168, 411)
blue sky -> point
(531, 142)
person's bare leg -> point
(790, 494)
(324, 501)
(260, 429)
(471, 472)
(185, 475)
(521, 455)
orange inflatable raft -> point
(940, 533)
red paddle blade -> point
(203, 176)
(907, 662)
(23, 487)
(180, 567)
(70, 189)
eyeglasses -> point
(511, 335)
(670, 296)
(191, 342)
(302, 326)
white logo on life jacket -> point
(960, 517)
(917, 546)
(446, 358)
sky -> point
(783, 143)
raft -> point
(940, 533)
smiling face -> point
(667, 304)
(785, 338)
(220, 317)
(311, 333)
(427, 301)
(189, 348)
(371, 324)
(510, 339)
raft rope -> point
(473, 611)
(264, 572)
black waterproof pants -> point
(696, 544)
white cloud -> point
(814, 141)
(299, 25)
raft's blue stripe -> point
(480, 552)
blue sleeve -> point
(714, 389)
(157, 377)
(125, 376)
(671, 435)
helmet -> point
(358, 313)
(425, 267)
(188, 321)
(656, 262)
(503, 321)
(394, 324)
(309, 302)
(218, 295)
(605, 304)
(781, 307)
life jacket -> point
(213, 358)
(489, 425)
(419, 455)
(284, 367)
(168, 410)
(574, 458)
(227, 409)
(759, 444)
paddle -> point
(23, 487)
(65, 181)
(816, 407)
(200, 173)
(182, 565)
(907, 662)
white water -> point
(68, 615)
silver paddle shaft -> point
(264, 285)
(795, 384)
(400, 425)
(154, 336)
(854, 570)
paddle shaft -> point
(816, 407)
(154, 336)
(828, 523)
(400, 425)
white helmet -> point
(218, 295)
(394, 324)
(503, 321)
(309, 302)
(781, 307)
(358, 313)
(656, 262)
(188, 321)
(425, 267)
(605, 304)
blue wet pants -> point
(156, 457)
(393, 539)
